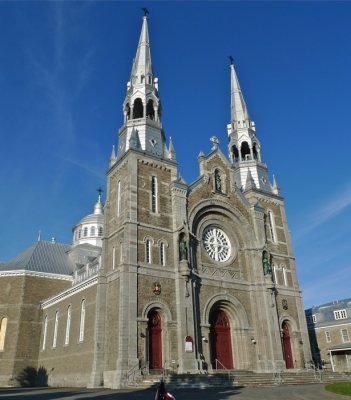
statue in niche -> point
(218, 182)
(183, 251)
(267, 269)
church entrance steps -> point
(230, 378)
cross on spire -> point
(99, 190)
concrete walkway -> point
(298, 392)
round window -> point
(217, 244)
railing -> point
(131, 373)
(218, 363)
(277, 377)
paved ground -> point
(299, 392)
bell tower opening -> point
(138, 109)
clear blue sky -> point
(63, 73)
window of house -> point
(45, 332)
(348, 360)
(68, 325)
(3, 327)
(327, 337)
(148, 251)
(82, 321)
(311, 319)
(340, 314)
(162, 254)
(85, 231)
(54, 340)
(100, 231)
(345, 335)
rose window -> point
(217, 244)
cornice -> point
(36, 274)
(69, 292)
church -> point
(164, 274)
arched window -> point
(272, 226)
(128, 111)
(100, 231)
(54, 339)
(68, 325)
(235, 154)
(150, 112)
(275, 275)
(154, 190)
(92, 231)
(82, 321)
(121, 253)
(148, 251)
(79, 233)
(113, 257)
(118, 198)
(85, 231)
(254, 151)
(138, 109)
(245, 151)
(162, 254)
(285, 280)
(3, 327)
(45, 332)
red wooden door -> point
(155, 340)
(221, 343)
(289, 362)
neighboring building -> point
(329, 328)
(188, 275)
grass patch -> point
(339, 388)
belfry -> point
(166, 275)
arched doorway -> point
(289, 362)
(221, 343)
(155, 340)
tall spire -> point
(244, 146)
(142, 128)
(142, 66)
(239, 113)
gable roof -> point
(42, 256)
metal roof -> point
(44, 257)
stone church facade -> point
(170, 275)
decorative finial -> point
(146, 11)
(215, 142)
(231, 60)
(99, 190)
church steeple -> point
(244, 146)
(239, 113)
(142, 66)
(142, 128)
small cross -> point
(146, 11)
(99, 190)
(231, 60)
